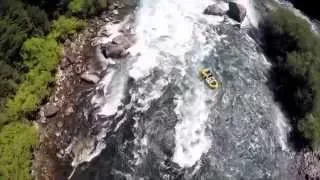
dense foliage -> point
(41, 57)
(64, 27)
(29, 54)
(87, 7)
(295, 52)
(16, 142)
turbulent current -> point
(153, 117)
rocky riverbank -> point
(77, 73)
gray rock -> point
(65, 63)
(130, 2)
(236, 11)
(50, 110)
(214, 10)
(91, 30)
(69, 111)
(121, 41)
(78, 69)
(105, 33)
(60, 124)
(90, 77)
(111, 7)
(116, 12)
(113, 51)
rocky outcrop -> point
(90, 77)
(116, 48)
(69, 111)
(122, 41)
(214, 10)
(50, 110)
(236, 11)
(112, 50)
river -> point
(152, 117)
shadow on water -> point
(285, 88)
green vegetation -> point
(295, 52)
(87, 7)
(41, 57)
(64, 27)
(16, 143)
(29, 54)
(17, 22)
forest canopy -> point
(294, 50)
(30, 35)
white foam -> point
(167, 27)
(191, 139)
(282, 127)
(113, 86)
(85, 150)
(173, 34)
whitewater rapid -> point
(167, 40)
(154, 117)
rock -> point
(214, 10)
(91, 30)
(122, 41)
(60, 124)
(65, 63)
(50, 110)
(115, 12)
(111, 7)
(113, 51)
(130, 2)
(105, 33)
(69, 111)
(78, 69)
(90, 77)
(236, 11)
(67, 42)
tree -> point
(87, 7)
(64, 27)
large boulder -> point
(112, 50)
(214, 10)
(90, 77)
(50, 110)
(237, 11)
(122, 41)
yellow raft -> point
(211, 81)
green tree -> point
(41, 56)
(87, 7)
(8, 82)
(64, 27)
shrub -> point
(64, 27)
(87, 7)
(42, 53)
(79, 6)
